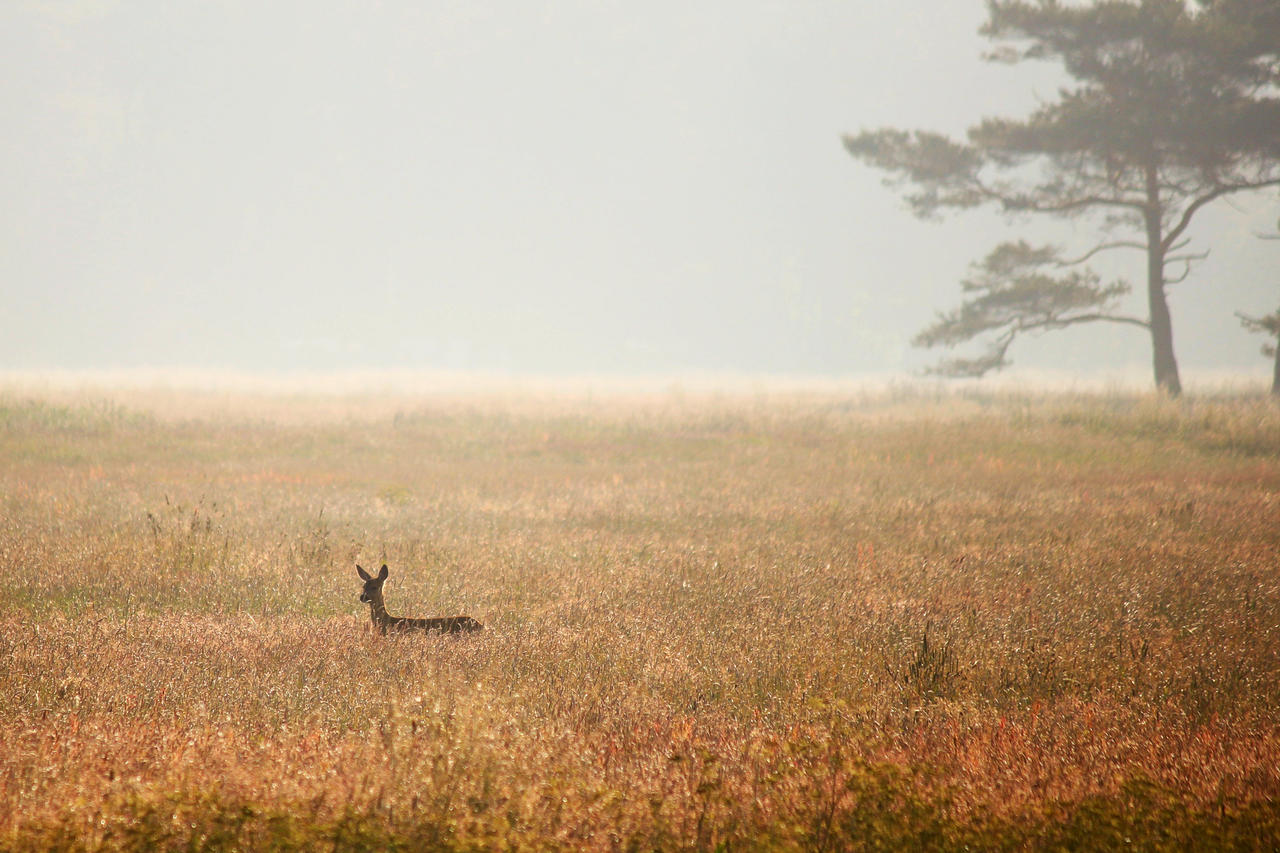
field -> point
(748, 621)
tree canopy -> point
(1173, 106)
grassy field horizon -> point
(760, 619)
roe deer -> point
(384, 621)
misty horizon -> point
(569, 190)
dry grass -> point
(745, 621)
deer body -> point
(384, 621)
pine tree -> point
(1172, 107)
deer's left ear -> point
(364, 576)
(382, 575)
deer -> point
(384, 621)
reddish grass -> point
(807, 622)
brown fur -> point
(384, 621)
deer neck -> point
(378, 611)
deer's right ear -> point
(364, 576)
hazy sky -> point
(585, 187)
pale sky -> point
(522, 187)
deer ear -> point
(382, 575)
(364, 576)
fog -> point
(520, 188)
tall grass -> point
(786, 622)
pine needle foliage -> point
(1172, 106)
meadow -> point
(750, 621)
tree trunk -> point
(1166, 365)
(1275, 375)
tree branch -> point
(1025, 204)
(996, 358)
(1119, 244)
(1217, 192)
(1192, 257)
(1186, 271)
(1062, 323)
(1013, 291)
(1268, 325)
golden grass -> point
(782, 621)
